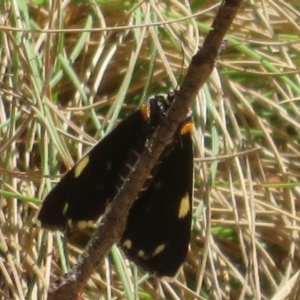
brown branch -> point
(201, 66)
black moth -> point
(158, 227)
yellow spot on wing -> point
(127, 244)
(65, 208)
(85, 224)
(81, 166)
(142, 254)
(184, 207)
(159, 249)
(70, 223)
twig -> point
(201, 66)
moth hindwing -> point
(83, 193)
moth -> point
(158, 227)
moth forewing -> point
(84, 192)
(159, 222)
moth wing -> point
(158, 228)
(84, 192)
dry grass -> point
(61, 92)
